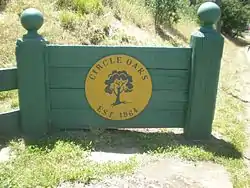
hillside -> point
(123, 22)
(122, 25)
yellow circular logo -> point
(118, 87)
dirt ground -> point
(245, 96)
(166, 173)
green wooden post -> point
(30, 56)
(207, 47)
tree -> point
(165, 11)
(235, 17)
(192, 2)
(119, 82)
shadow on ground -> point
(128, 141)
(167, 33)
(238, 41)
(166, 36)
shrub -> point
(68, 19)
(189, 11)
(165, 11)
(235, 17)
(82, 6)
(88, 6)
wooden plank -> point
(9, 123)
(31, 64)
(87, 56)
(207, 53)
(161, 79)
(77, 119)
(75, 99)
(8, 79)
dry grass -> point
(8, 100)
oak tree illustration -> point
(119, 82)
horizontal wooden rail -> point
(87, 56)
(9, 123)
(8, 79)
(77, 119)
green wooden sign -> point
(78, 87)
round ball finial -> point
(209, 13)
(32, 19)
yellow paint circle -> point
(118, 87)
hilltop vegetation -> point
(235, 13)
(101, 22)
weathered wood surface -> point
(207, 51)
(160, 100)
(9, 123)
(76, 119)
(32, 86)
(87, 56)
(8, 79)
(74, 78)
(68, 69)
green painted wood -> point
(8, 79)
(209, 13)
(207, 47)
(151, 57)
(77, 119)
(30, 55)
(9, 123)
(32, 20)
(161, 79)
(32, 77)
(75, 99)
(51, 81)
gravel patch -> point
(166, 173)
(103, 157)
(137, 181)
(197, 174)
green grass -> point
(8, 100)
(46, 167)
(82, 6)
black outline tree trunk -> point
(117, 83)
(118, 99)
